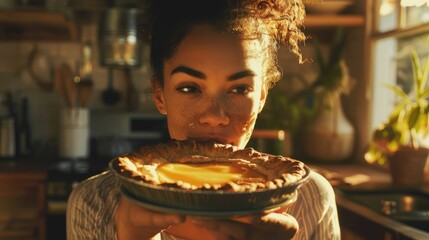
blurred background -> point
(74, 93)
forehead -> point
(204, 41)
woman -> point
(213, 64)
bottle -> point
(24, 130)
(8, 129)
(7, 137)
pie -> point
(193, 165)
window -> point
(396, 29)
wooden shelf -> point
(45, 25)
(36, 25)
(316, 21)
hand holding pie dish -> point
(204, 177)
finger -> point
(281, 223)
(278, 209)
(163, 220)
(255, 227)
(224, 229)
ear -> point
(263, 98)
(158, 96)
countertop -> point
(365, 177)
(22, 170)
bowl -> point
(207, 202)
(327, 6)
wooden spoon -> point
(85, 91)
(65, 84)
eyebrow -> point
(198, 74)
(189, 71)
(241, 74)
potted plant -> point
(329, 135)
(402, 141)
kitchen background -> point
(28, 66)
(40, 37)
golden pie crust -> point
(266, 171)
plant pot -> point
(407, 166)
(330, 137)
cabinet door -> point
(22, 210)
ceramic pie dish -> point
(208, 177)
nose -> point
(214, 115)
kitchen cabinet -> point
(22, 201)
(37, 25)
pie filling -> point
(192, 165)
(202, 174)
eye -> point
(188, 88)
(242, 89)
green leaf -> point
(374, 155)
(413, 116)
(384, 131)
(397, 91)
(421, 125)
(402, 121)
(337, 46)
(426, 114)
(332, 78)
(396, 111)
(416, 70)
(319, 56)
(296, 117)
(425, 93)
(423, 81)
(420, 74)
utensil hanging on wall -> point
(83, 76)
(85, 87)
(41, 69)
(110, 96)
(132, 93)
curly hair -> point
(272, 22)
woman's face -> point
(213, 88)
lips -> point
(211, 138)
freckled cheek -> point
(243, 117)
(245, 123)
(181, 118)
